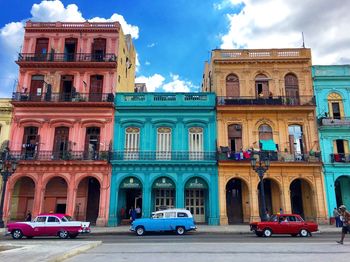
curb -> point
(76, 251)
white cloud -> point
(279, 23)
(152, 82)
(177, 85)
(151, 45)
(147, 63)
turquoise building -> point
(164, 155)
(332, 90)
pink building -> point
(63, 118)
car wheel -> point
(72, 236)
(17, 234)
(180, 230)
(304, 233)
(267, 232)
(140, 231)
(63, 234)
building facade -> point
(265, 103)
(5, 123)
(63, 118)
(164, 155)
(332, 90)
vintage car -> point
(178, 220)
(284, 224)
(48, 225)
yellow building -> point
(265, 102)
(5, 121)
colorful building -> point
(63, 117)
(5, 123)
(332, 90)
(164, 155)
(265, 102)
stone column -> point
(71, 196)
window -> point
(164, 143)
(170, 214)
(53, 219)
(296, 141)
(158, 215)
(292, 88)
(235, 137)
(30, 142)
(41, 219)
(196, 143)
(265, 132)
(92, 142)
(232, 86)
(132, 142)
(181, 214)
(36, 87)
(262, 86)
(335, 106)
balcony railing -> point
(274, 101)
(60, 155)
(330, 121)
(273, 156)
(340, 158)
(65, 57)
(63, 97)
(161, 156)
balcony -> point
(273, 156)
(59, 155)
(340, 158)
(65, 57)
(268, 101)
(330, 121)
(162, 156)
(63, 97)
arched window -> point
(335, 106)
(265, 132)
(262, 86)
(296, 141)
(163, 143)
(232, 85)
(291, 85)
(196, 143)
(235, 137)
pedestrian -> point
(267, 214)
(132, 214)
(280, 212)
(336, 215)
(138, 212)
(28, 217)
(346, 223)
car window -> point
(283, 219)
(67, 218)
(294, 219)
(182, 214)
(53, 219)
(40, 219)
(170, 214)
(158, 215)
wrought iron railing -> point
(340, 158)
(59, 155)
(275, 100)
(162, 156)
(330, 121)
(63, 97)
(66, 57)
(273, 156)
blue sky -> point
(173, 38)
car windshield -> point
(67, 218)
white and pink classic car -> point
(60, 225)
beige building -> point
(5, 121)
(265, 103)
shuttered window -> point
(132, 143)
(196, 143)
(164, 143)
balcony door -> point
(30, 142)
(92, 142)
(262, 86)
(98, 49)
(41, 48)
(70, 48)
(61, 142)
(67, 88)
(292, 89)
(36, 88)
(235, 137)
(96, 87)
(232, 86)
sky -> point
(173, 38)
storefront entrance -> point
(130, 196)
(196, 198)
(163, 191)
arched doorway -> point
(342, 190)
(237, 201)
(302, 200)
(130, 196)
(55, 199)
(196, 198)
(88, 200)
(163, 194)
(22, 198)
(272, 196)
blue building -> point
(164, 155)
(332, 90)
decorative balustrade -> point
(63, 97)
(86, 24)
(161, 156)
(340, 158)
(330, 121)
(59, 155)
(275, 100)
(66, 57)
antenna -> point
(302, 35)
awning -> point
(196, 183)
(268, 145)
(131, 182)
(163, 182)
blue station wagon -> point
(178, 220)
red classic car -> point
(48, 225)
(284, 224)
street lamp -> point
(260, 162)
(8, 166)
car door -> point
(294, 224)
(53, 225)
(39, 226)
(281, 226)
(156, 223)
(170, 221)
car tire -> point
(140, 231)
(267, 232)
(304, 233)
(72, 236)
(180, 230)
(17, 234)
(63, 234)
